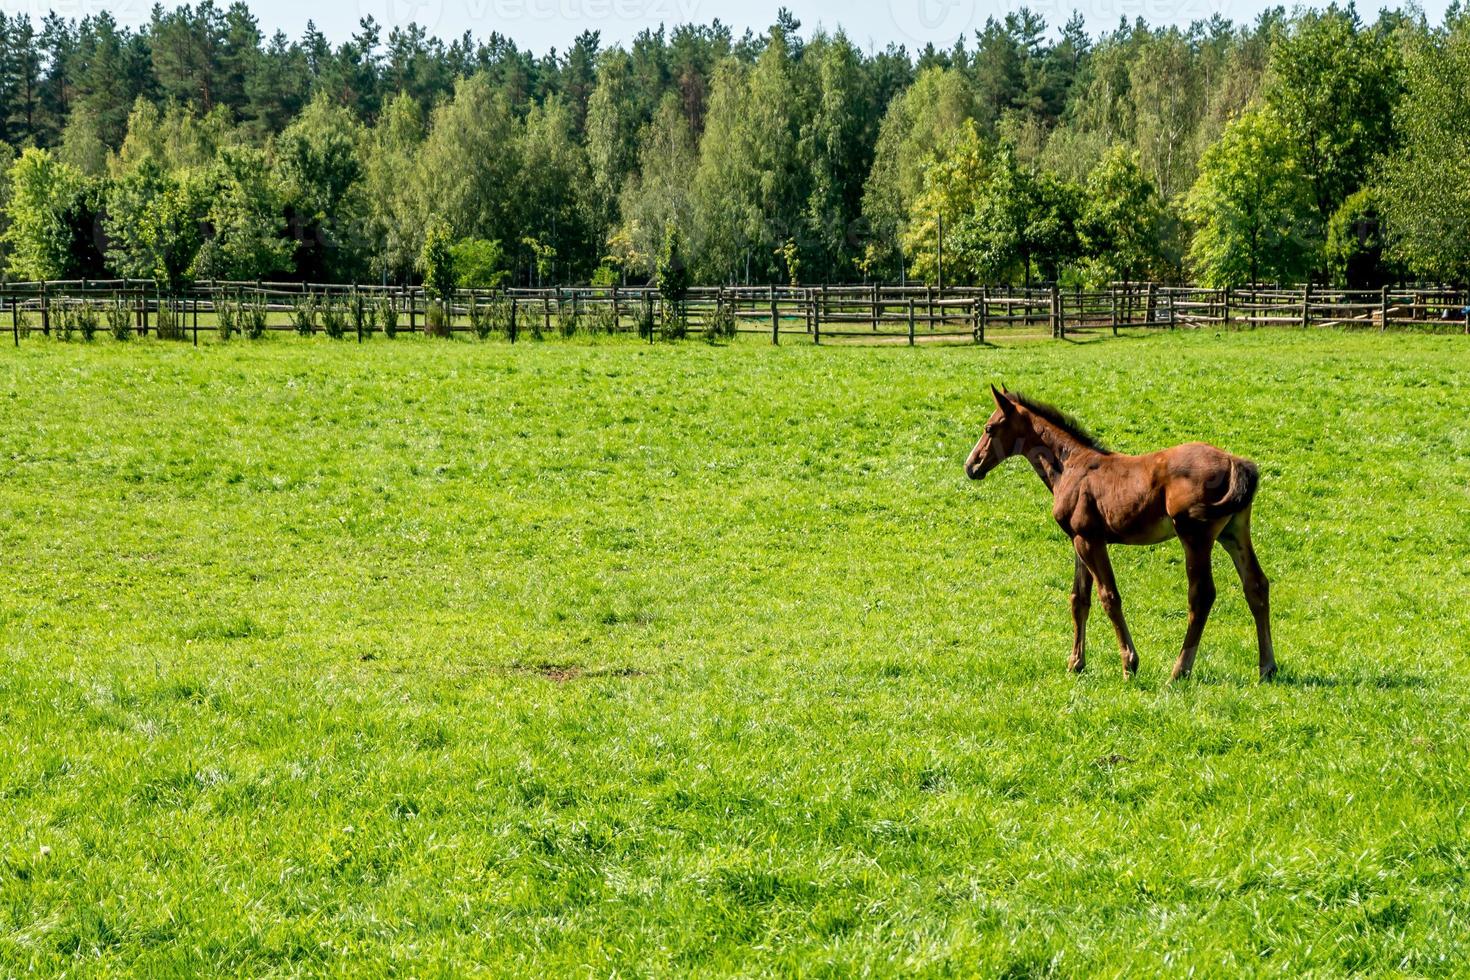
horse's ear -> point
(1001, 401)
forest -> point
(1311, 145)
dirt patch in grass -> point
(566, 673)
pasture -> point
(601, 657)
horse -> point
(1194, 492)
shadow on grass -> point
(1383, 682)
(1310, 680)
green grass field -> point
(604, 658)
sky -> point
(542, 24)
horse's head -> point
(1002, 429)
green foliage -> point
(478, 264)
(1333, 85)
(1251, 207)
(721, 323)
(388, 315)
(436, 320)
(1122, 221)
(63, 323)
(154, 224)
(659, 194)
(305, 311)
(568, 319)
(50, 210)
(468, 171)
(437, 261)
(334, 316)
(607, 273)
(395, 215)
(120, 319)
(226, 317)
(319, 170)
(364, 315)
(195, 147)
(170, 322)
(543, 257)
(917, 123)
(1355, 249)
(1426, 187)
(646, 317)
(244, 215)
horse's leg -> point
(1198, 543)
(1094, 555)
(1236, 540)
(1081, 605)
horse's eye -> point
(989, 428)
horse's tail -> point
(1245, 476)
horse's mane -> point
(1060, 419)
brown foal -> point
(1194, 492)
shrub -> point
(479, 314)
(86, 317)
(436, 320)
(674, 322)
(23, 322)
(388, 314)
(436, 261)
(119, 319)
(170, 321)
(721, 323)
(646, 318)
(365, 309)
(304, 314)
(226, 316)
(62, 324)
(567, 318)
(334, 318)
(251, 319)
(604, 319)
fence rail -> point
(849, 313)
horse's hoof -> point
(1076, 666)
(1269, 674)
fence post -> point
(409, 295)
(45, 311)
(194, 309)
(911, 321)
(1383, 310)
(357, 310)
(1151, 311)
(775, 317)
(1306, 305)
(984, 311)
(1058, 329)
(816, 315)
(876, 312)
(617, 314)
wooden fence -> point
(867, 313)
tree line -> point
(1313, 145)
